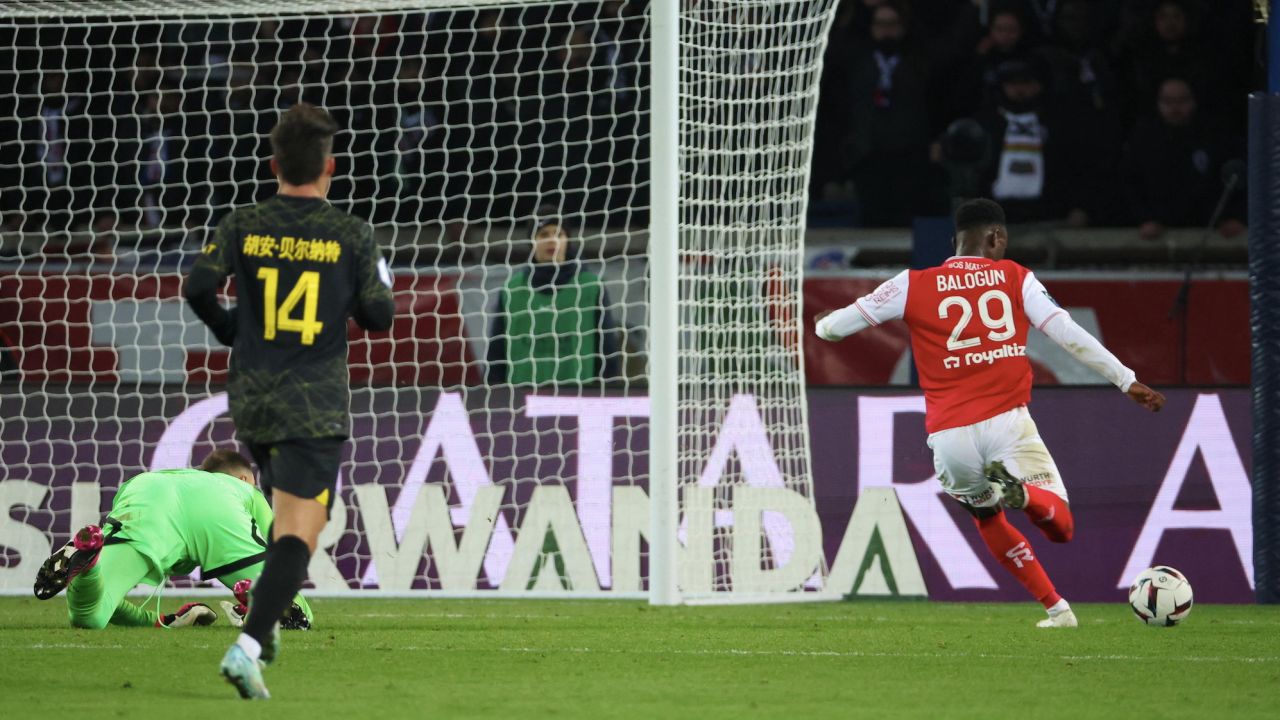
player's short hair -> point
(978, 213)
(226, 461)
(301, 142)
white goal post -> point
(627, 420)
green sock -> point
(130, 615)
(83, 597)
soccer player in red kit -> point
(969, 319)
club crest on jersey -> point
(966, 281)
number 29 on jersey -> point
(1000, 324)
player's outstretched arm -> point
(888, 302)
(836, 325)
(206, 277)
(1067, 333)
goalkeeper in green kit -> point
(162, 524)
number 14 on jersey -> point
(279, 318)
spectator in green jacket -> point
(552, 324)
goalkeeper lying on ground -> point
(162, 524)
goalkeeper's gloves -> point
(235, 612)
(187, 616)
(293, 619)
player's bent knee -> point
(982, 513)
(1064, 527)
(1064, 532)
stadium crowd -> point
(1078, 112)
(1084, 112)
(451, 114)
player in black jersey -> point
(301, 268)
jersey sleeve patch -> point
(883, 294)
(384, 272)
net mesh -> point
(134, 127)
(748, 92)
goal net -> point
(594, 212)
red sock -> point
(1014, 552)
(1050, 513)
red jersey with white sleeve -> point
(969, 326)
(969, 319)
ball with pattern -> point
(1160, 596)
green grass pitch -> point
(568, 659)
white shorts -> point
(960, 457)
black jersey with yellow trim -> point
(301, 268)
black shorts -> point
(305, 467)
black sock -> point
(282, 576)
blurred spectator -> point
(947, 30)
(168, 150)
(195, 54)
(618, 149)
(1004, 40)
(409, 146)
(1085, 84)
(889, 128)
(853, 17)
(1037, 18)
(115, 128)
(1172, 170)
(1170, 46)
(552, 322)
(366, 49)
(159, 160)
(139, 77)
(1081, 70)
(618, 36)
(850, 33)
(560, 117)
(1035, 163)
(242, 171)
(481, 106)
(45, 149)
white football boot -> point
(1064, 619)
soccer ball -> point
(1160, 596)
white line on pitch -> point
(843, 653)
(63, 646)
(742, 652)
(478, 616)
